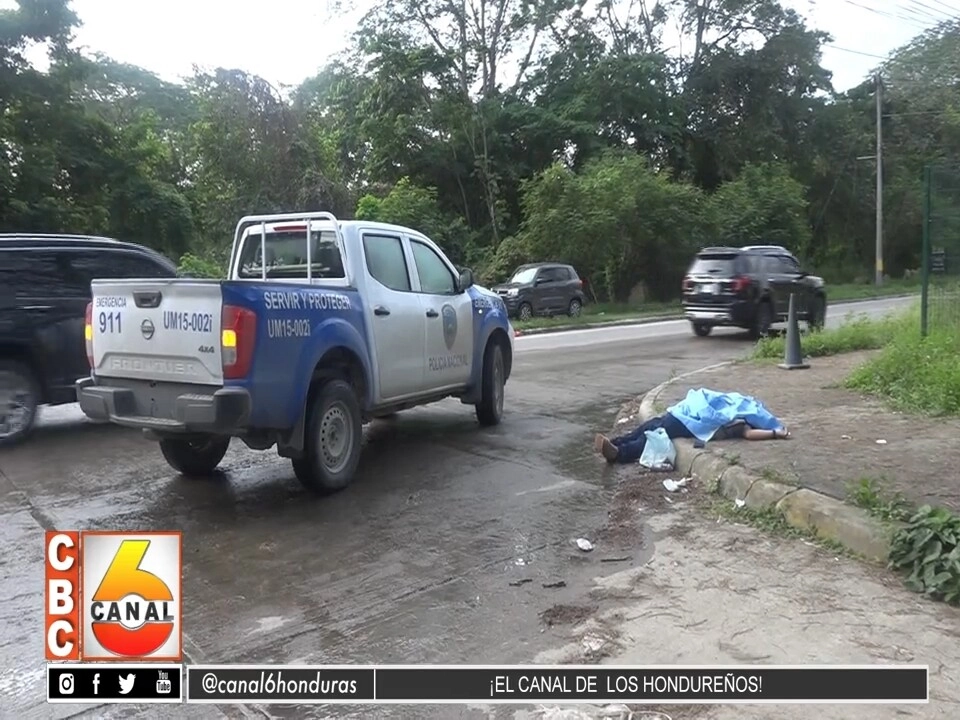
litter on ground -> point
(674, 485)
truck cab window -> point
(286, 255)
(385, 261)
(435, 277)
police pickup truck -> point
(321, 326)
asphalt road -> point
(411, 564)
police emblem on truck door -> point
(449, 315)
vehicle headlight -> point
(513, 292)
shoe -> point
(606, 448)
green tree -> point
(416, 208)
(763, 206)
(622, 224)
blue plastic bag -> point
(658, 452)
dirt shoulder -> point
(836, 432)
(715, 592)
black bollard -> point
(793, 353)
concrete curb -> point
(802, 508)
(520, 332)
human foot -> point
(781, 434)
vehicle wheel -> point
(818, 313)
(702, 329)
(490, 407)
(525, 311)
(195, 456)
(333, 441)
(19, 400)
(575, 307)
(762, 322)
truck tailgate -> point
(159, 330)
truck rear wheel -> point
(490, 407)
(333, 439)
(19, 398)
(194, 456)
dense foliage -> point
(507, 130)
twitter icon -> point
(126, 683)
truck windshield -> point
(287, 255)
(521, 277)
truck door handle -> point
(381, 311)
(432, 313)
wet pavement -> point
(411, 564)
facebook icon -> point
(96, 683)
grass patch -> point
(865, 291)
(857, 333)
(915, 374)
(873, 496)
(601, 313)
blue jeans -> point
(630, 446)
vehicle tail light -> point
(687, 284)
(740, 283)
(238, 336)
(579, 284)
(88, 332)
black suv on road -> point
(542, 289)
(44, 291)
(750, 287)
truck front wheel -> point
(333, 440)
(196, 456)
(490, 407)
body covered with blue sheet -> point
(704, 411)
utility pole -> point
(879, 249)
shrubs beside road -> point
(915, 374)
(912, 373)
(858, 333)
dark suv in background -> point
(750, 287)
(44, 291)
(542, 289)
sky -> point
(286, 41)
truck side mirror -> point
(465, 280)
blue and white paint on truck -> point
(322, 326)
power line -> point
(925, 11)
(950, 8)
(891, 16)
(857, 52)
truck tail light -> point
(687, 284)
(740, 283)
(88, 332)
(238, 336)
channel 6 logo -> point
(113, 596)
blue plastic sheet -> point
(704, 411)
